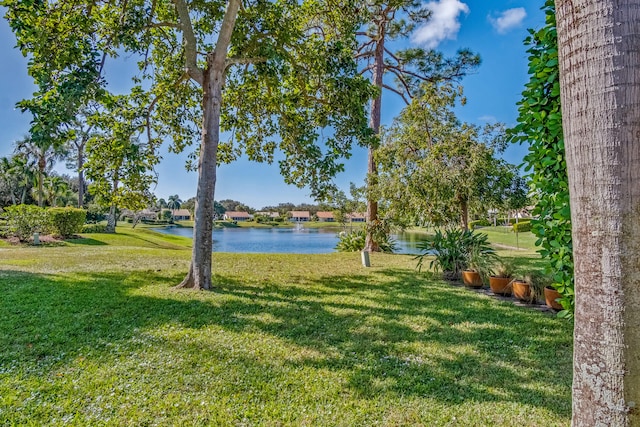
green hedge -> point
(94, 228)
(522, 226)
(24, 220)
(479, 223)
(66, 222)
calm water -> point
(283, 240)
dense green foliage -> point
(455, 250)
(94, 228)
(479, 223)
(24, 220)
(353, 241)
(436, 169)
(540, 125)
(522, 226)
(66, 222)
(398, 72)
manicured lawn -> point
(506, 236)
(92, 333)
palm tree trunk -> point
(599, 53)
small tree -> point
(119, 163)
(435, 168)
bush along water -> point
(354, 242)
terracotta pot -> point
(521, 290)
(550, 296)
(500, 285)
(472, 278)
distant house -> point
(181, 215)
(237, 216)
(356, 217)
(325, 216)
(299, 216)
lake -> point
(284, 240)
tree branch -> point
(163, 24)
(189, 42)
(394, 90)
(226, 30)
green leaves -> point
(433, 168)
(540, 125)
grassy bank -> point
(92, 333)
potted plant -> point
(455, 250)
(480, 263)
(531, 289)
(500, 282)
(551, 296)
(448, 249)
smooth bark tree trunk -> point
(599, 53)
(374, 123)
(199, 275)
(111, 219)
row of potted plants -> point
(463, 254)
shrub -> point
(24, 220)
(522, 226)
(95, 213)
(354, 242)
(94, 228)
(66, 222)
(455, 250)
(479, 223)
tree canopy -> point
(269, 74)
(434, 169)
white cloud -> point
(443, 23)
(509, 19)
(487, 118)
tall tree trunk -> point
(464, 214)
(111, 219)
(42, 165)
(80, 175)
(199, 275)
(374, 123)
(599, 53)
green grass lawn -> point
(92, 333)
(505, 236)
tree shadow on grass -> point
(86, 241)
(402, 336)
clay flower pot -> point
(472, 278)
(522, 290)
(550, 296)
(500, 285)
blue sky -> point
(494, 29)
